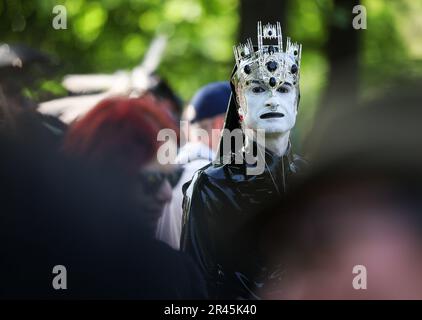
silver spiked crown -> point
(268, 61)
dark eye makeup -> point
(283, 89)
(258, 89)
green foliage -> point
(108, 35)
(389, 42)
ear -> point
(241, 110)
(241, 113)
(240, 99)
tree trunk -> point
(342, 50)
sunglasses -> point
(153, 180)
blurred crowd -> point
(92, 196)
(88, 195)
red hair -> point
(120, 129)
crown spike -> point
(259, 36)
(280, 37)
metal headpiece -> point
(268, 62)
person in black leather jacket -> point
(223, 201)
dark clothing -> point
(221, 223)
(55, 211)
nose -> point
(272, 103)
(164, 193)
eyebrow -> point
(288, 84)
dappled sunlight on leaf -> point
(89, 23)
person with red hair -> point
(81, 215)
(121, 134)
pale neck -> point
(277, 143)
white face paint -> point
(271, 109)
